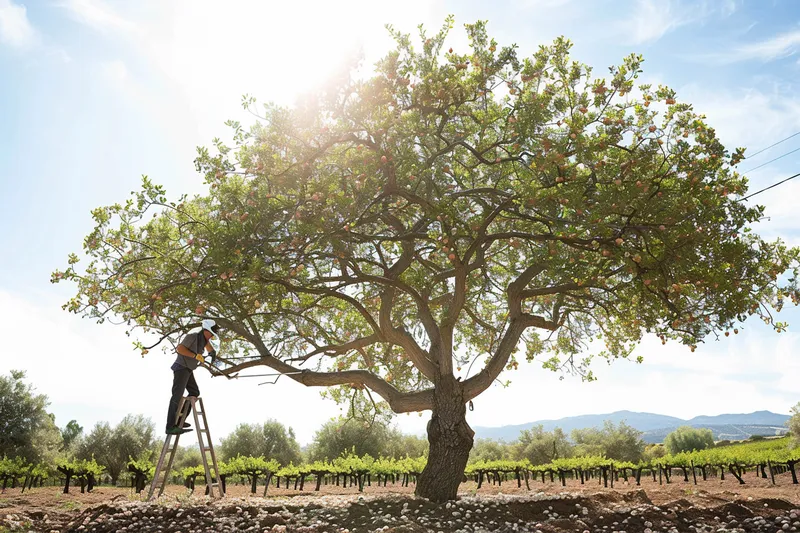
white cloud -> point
(97, 15)
(652, 19)
(115, 71)
(15, 28)
(753, 117)
(777, 47)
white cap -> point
(214, 340)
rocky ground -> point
(677, 508)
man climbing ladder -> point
(194, 405)
(190, 354)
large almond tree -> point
(458, 205)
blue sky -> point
(95, 93)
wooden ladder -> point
(195, 404)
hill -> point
(654, 426)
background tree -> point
(541, 447)
(622, 442)
(687, 439)
(654, 451)
(186, 456)
(70, 434)
(270, 439)
(27, 430)
(401, 445)
(342, 435)
(794, 424)
(459, 204)
(113, 447)
(490, 450)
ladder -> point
(195, 403)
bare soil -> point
(712, 505)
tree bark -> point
(450, 439)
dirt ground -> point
(48, 509)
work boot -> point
(175, 430)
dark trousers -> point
(183, 379)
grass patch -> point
(69, 505)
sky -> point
(96, 93)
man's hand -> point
(200, 358)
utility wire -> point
(773, 144)
(771, 161)
(768, 188)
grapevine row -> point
(766, 458)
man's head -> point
(210, 328)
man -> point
(190, 354)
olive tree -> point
(385, 232)
(270, 439)
(794, 424)
(541, 447)
(113, 447)
(688, 439)
(27, 430)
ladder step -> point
(207, 449)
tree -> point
(403, 445)
(653, 452)
(541, 447)
(688, 439)
(271, 440)
(71, 433)
(490, 450)
(113, 448)
(26, 428)
(621, 443)
(342, 435)
(794, 424)
(454, 205)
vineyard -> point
(769, 459)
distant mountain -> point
(654, 426)
(756, 418)
(722, 431)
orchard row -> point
(766, 458)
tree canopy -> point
(71, 434)
(541, 447)
(453, 205)
(688, 439)
(343, 435)
(491, 450)
(114, 447)
(619, 442)
(27, 430)
(794, 424)
(271, 440)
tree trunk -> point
(450, 439)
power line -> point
(771, 161)
(773, 144)
(770, 187)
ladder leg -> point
(181, 414)
(158, 467)
(211, 449)
(206, 469)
